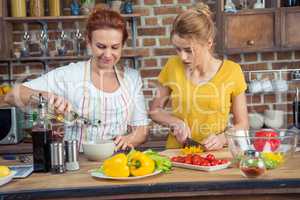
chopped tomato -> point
(210, 157)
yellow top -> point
(205, 108)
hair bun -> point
(203, 8)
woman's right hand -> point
(60, 104)
(181, 131)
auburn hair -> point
(104, 18)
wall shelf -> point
(59, 58)
(8, 23)
(60, 18)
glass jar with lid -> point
(252, 165)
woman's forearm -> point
(164, 118)
(241, 125)
(138, 135)
(20, 96)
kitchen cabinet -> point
(7, 49)
(258, 30)
(179, 183)
(290, 28)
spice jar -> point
(18, 8)
(37, 8)
(252, 165)
(54, 8)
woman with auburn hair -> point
(96, 89)
(203, 89)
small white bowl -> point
(256, 120)
(274, 118)
(98, 151)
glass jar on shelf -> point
(55, 8)
(37, 8)
(252, 165)
(18, 8)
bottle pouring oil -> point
(41, 137)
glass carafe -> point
(252, 165)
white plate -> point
(101, 175)
(8, 178)
(203, 168)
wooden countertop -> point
(178, 183)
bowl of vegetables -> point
(274, 146)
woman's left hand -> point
(214, 142)
(123, 142)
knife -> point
(190, 142)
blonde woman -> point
(203, 88)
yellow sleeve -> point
(163, 76)
(240, 83)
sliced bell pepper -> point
(259, 144)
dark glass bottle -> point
(41, 137)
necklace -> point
(197, 81)
(203, 80)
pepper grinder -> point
(57, 157)
(71, 155)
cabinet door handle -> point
(250, 42)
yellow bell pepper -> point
(191, 150)
(141, 164)
(272, 159)
(116, 166)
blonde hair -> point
(195, 23)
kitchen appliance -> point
(11, 125)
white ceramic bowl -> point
(99, 151)
(274, 118)
(256, 120)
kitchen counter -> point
(282, 183)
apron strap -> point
(85, 102)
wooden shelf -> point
(250, 11)
(60, 18)
(59, 58)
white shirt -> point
(116, 110)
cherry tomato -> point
(210, 157)
(181, 159)
(188, 160)
(214, 163)
(174, 159)
(224, 161)
(205, 163)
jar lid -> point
(251, 153)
